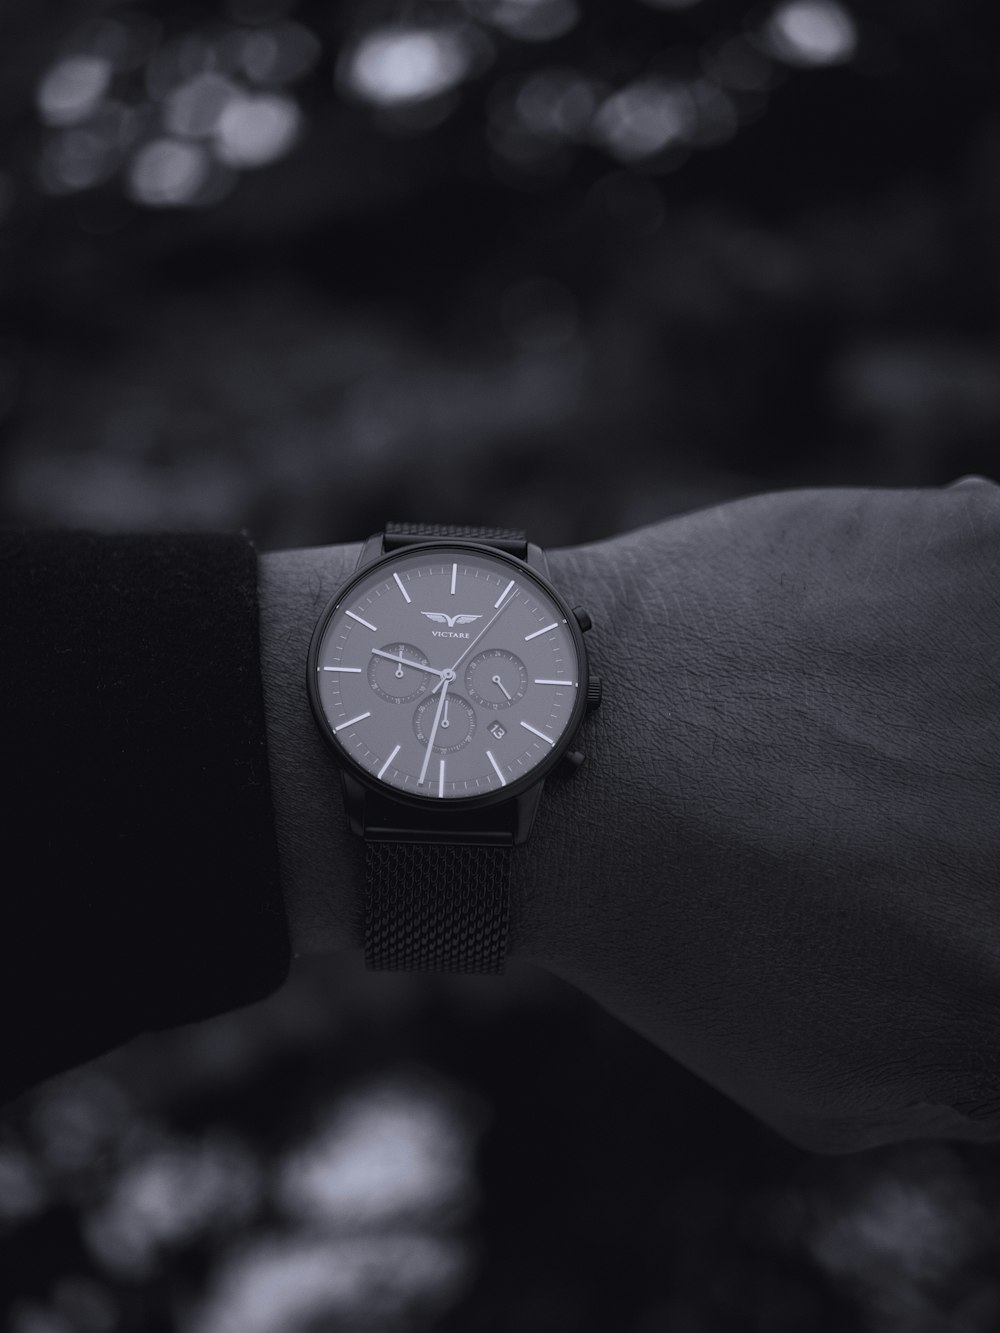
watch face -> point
(448, 673)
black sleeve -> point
(139, 871)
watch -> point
(450, 679)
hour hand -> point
(497, 681)
(407, 661)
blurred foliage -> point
(567, 264)
(402, 1153)
(284, 266)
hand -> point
(407, 661)
(448, 677)
(497, 681)
(507, 599)
(781, 861)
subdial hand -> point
(407, 661)
(497, 681)
(444, 719)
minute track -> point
(499, 615)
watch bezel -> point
(416, 800)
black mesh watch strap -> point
(511, 540)
(436, 907)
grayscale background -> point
(572, 265)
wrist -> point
(322, 866)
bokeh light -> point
(255, 131)
(168, 1196)
(305, 1283)
(644, 118)
(387, 1152)
(557, 102)
(279, 54)
(811, 33)
(167, 173)
(194, 108)
(74, 1121)
(76, 160)
(527, 20)
(72, 88)
(398, 65)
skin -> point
(781, 860)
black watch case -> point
(375, 809)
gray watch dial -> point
(447, 673)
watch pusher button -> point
(572, 760)
(595, 693)
(582, 618)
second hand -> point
(446, 680)
(469, 648)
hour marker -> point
(356, 670)
(389, 760)
(454, 576)
(441, 779)
(496, 768)
(366, 624)
(399, 583)
(359, 719)
(503, 594)
(536, 633)
(555, 682)
(352, 720)
(528, 727)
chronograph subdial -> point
(455, 729)
(496, 679)
(395, 681)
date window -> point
(497, 731)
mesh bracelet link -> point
(512, 541)
(436, 907)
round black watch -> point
(450, 679)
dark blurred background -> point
(573, 265)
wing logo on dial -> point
(451, 621)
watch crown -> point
(582, 618)
(595, 693)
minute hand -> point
(407, 661)
(472, 645)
